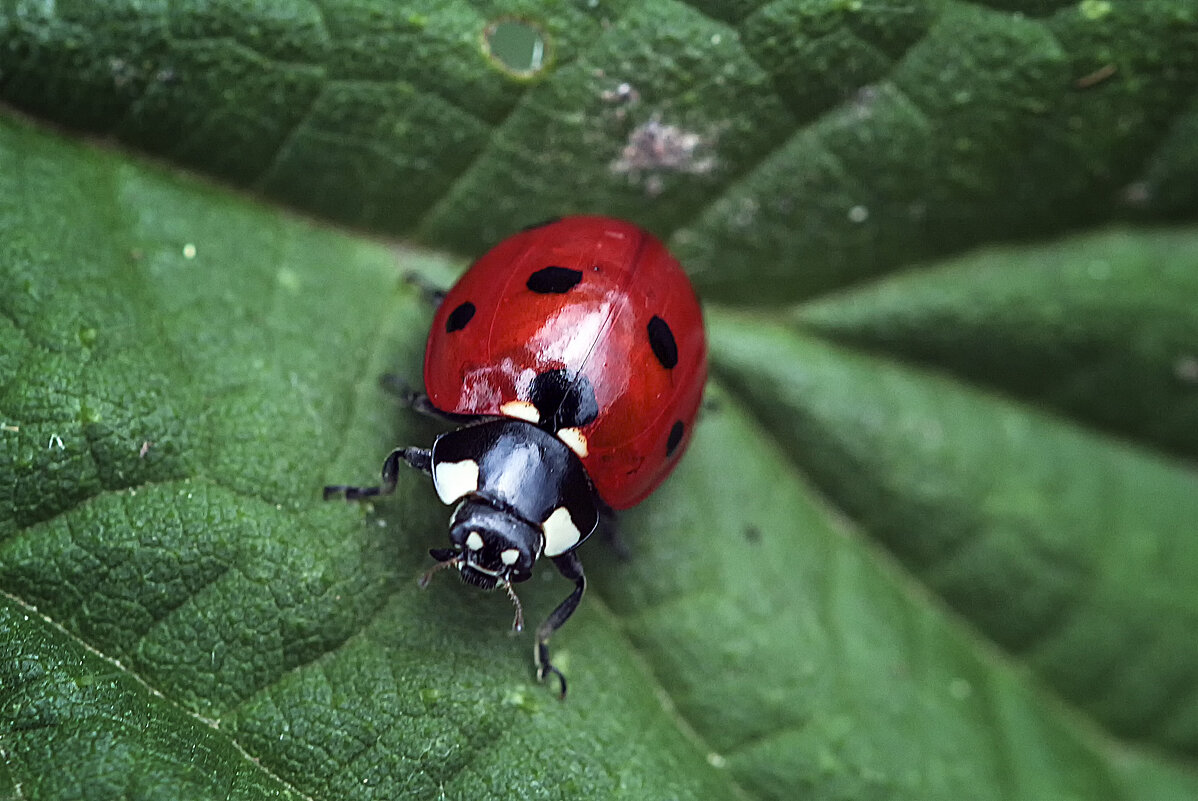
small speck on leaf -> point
(655, 149)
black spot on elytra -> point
(675, 438)
(458, 318)
(661, 339)
(753, 534)
(563, 400)
(541, 224)
(554, 280)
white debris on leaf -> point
(656, 148)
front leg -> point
(419, 458)
(430, 293)
(609, 530)
(570, 567)
(402, 391)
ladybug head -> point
(490, 548)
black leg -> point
(430, 292)
(419, 458)
(401, 390)
(569, 566)
(609, 529)
(398, 387)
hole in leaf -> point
(516, 45)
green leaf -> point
(932, 539)
(1102, 328)
(1054, 541)
(809, 143)
(65, 705)
(181, 370)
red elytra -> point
(597, 298)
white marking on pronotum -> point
(454, 480)
(560, 532)
(521, 410)
(509, 556)
(474, 542)
(575, 440)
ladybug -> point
(573, 356)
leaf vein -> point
(124, 670)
